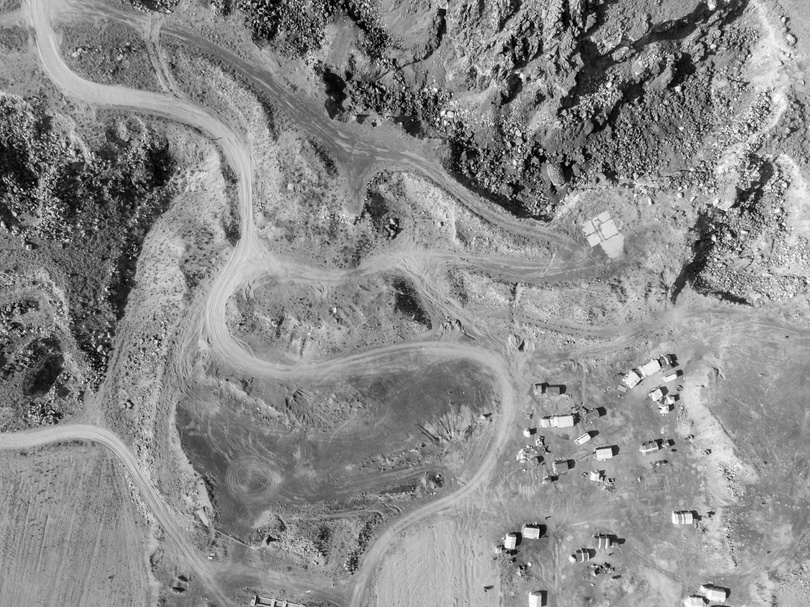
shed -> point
(537, 598)
(682, 517)
(596, 475)
(694, 601)
(603, 541)
(531, 532)
(671, 376)
(603, 453)
(581, 440)
(561, 466)
(545, 422)
(580, 556)
(656, 394)
(563, 421)
(631, 379)
(650, 447)
(649, 368)
(715, 594)
(510, 541)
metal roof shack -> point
(581, 440)
(649, 368)
(694, 601)
(631, 379)
(510, 541)
(580, 556)
(537, 598)
(715, 594)
(682, 517)
(603, 453)
(650, 447)
(656, 394)
(560, 466)
(603, 541)
(530, 532)
(563, 421)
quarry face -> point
(375, 303)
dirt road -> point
(149, 494)
(240, 267)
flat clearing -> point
(438, 563)
(369, 436)
(70, 532)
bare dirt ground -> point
(71, 533)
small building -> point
(715, 594)
(603, 453)
(694, 601)
(553, 389)
(683, 517)
(649, 368)
(631, 379)
(664, 408)
(671, 376)
(580, 556)
(527, 432)
(603, 541)
(563, 421)
(650, 447)
(656, 394)
(545, 422)
(581, 440)
(530, 532)
(560, 466)
(537, 598)
(548, 389)
(596, 475)
(510, 541)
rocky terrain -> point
(343, 293)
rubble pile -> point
(741, 247)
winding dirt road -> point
(241, 266)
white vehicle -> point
(581, 440)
